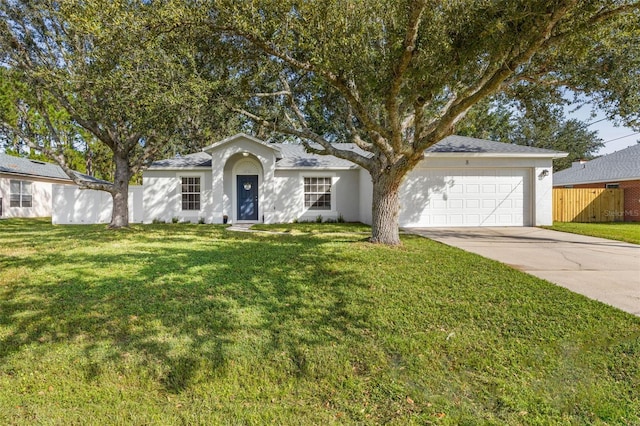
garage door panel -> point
(488, 204)
(456, 203)
(466, 197)
(456, 189)
(504, 188)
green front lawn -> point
(621, 231)
(194, 324)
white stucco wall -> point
(162, 196)
(74, 206)
(366, 196)
(543, 194)
(41, 191)
(287, 204)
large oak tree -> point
(109, 68)
(399, 75)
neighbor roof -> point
(21, 166)
(27, 167)
(294, 156)
(620, 165)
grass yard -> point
(621, 231)
(193, 324)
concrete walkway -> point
(241, 227)
(604, 270)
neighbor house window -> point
(20, 195)
(191, 193)
(317, 193)
(612, 185)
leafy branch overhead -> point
(97, 67)
(400, 76)
(407, 72)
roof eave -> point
(312, 168)
(552, 155)
(29, 175)
(178, 168)
(588, 182)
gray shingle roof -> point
(464, 144)
(198, 159)
(25, 166)
(295, 156)
(620, 165)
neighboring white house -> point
(461, 182)
(26, 186)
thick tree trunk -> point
(385, 209)
(120, 195)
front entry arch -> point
(245, 193)
(247, 197)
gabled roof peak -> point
(235, 137)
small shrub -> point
(319, 218)
(175, 219)
(330, 220)
(157, 221)
(340, 218)
(295, 220)
(201, 221)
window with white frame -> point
(612, 185)
(20, 194)
(317, 193)
(190, 193)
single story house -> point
(26, 186)
(620, 169)
(462, 181)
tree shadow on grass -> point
(174, 302)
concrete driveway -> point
(604, 270)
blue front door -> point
(247, 197)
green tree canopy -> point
(112, 70)
(540, 124)
(400, 75)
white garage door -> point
(466, 197)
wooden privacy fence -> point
(588, 205)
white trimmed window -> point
(190, 193)
(20, 194)
(612, 185)
(317, 193)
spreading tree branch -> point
(59, 159)
(399, 71)
(488, 84)
(327, 148)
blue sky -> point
(624, 136)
